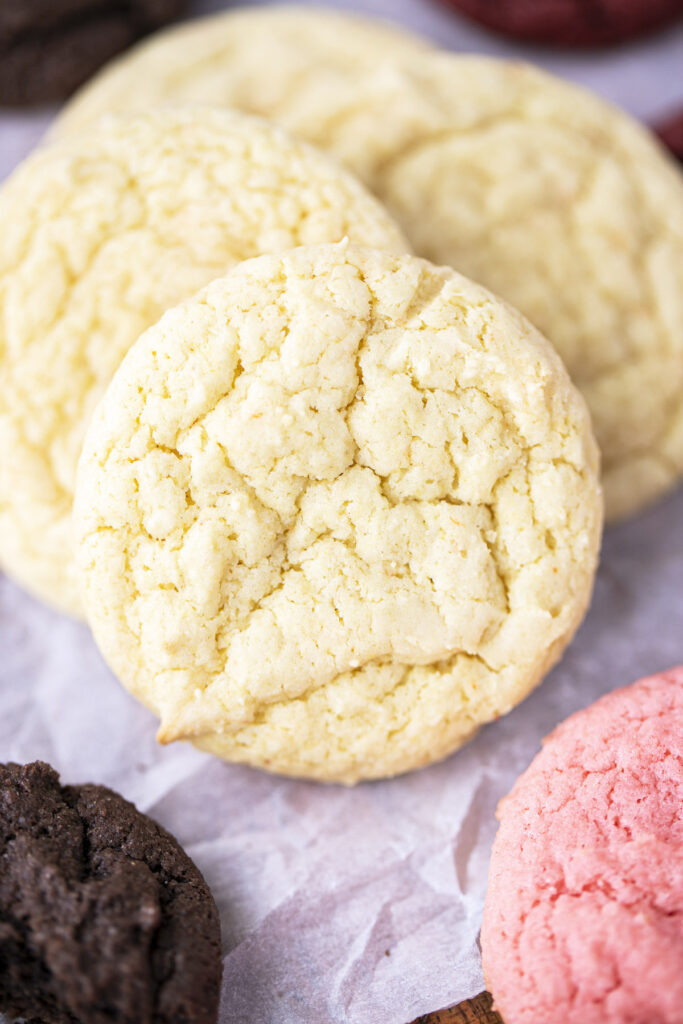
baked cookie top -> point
(103, 232)
(336, 512)
(221, 59)
(544, 193)
(103, 916)
(584, 909)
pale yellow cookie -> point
(263, 60)
(557, 201)
(336, 512)
(101, 234)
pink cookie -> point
(583, 922)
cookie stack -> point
(336, 505)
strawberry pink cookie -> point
(584, 911)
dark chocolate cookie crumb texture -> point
(50, 47)
(670, 132)
(103, 916)
(565, 23)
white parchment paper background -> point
(350, 906)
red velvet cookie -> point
(582, 23)
(670, 132)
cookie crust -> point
(336, 513)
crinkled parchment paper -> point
(357, 906)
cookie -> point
(336, 512)
(50, 47)
(544, 193)
(103, 916)
(571, 22)
(100, 235)
(670, 132)
(221, 59)
(584, 910)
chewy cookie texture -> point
(548, 196)
(101, 234)
(103, 916)
(584, 910)
(336, 512)
(50, 47)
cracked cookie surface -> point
(545, 194)
(336, 512)
(584, 909)
(103, 916)
(559, 203)
(100, 235)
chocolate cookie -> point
(103, 917)
(49, 47)
(670, 132)
(582, 23)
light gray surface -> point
(357, 906)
